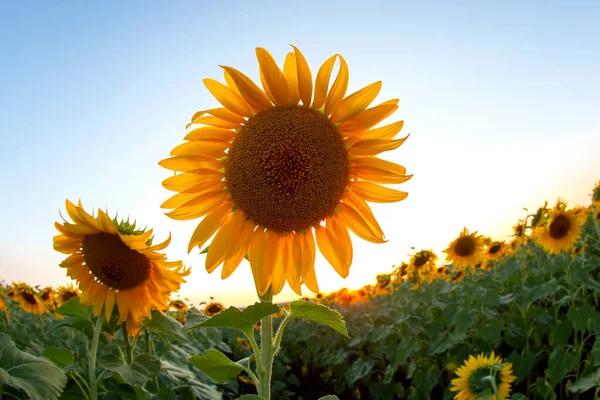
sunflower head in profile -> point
(540, 215)
(474, 376)
(495, 251)
(213, 308)
(27, 298)
(466, 251)
(178, 305)
(116, 265)
(561, 229)
(65, 293)
(384, 284)
(422, 262)
(281, 167)
(596, 193)
(47, 295)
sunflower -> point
(213, 308)
(279, 168)
(596, 194)
(495, 251)
(473, 381)
(2, 302)
(243, 342)
(27, 298)
(65, 293)
(466, 251)
(458, 276)
(540, 215)
(384, 284)
(47, 296)
(178, 305)
(562, 228)
(424, 263)
(115, 264)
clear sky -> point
(501, 100)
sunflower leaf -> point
(586, 383)
(250, 397)
(244, 320)
(38, 377)
(61, 357)
(73, 308)
(216, 365)
(162, 324)
(560, 364)
(319, 313)
(143, 367)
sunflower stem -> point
(42, 327)
(150, 348)
(266, 351)
(92, 358)
(128, 345)
(83, 392)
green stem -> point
(92, 359)
(42, 326)
(492, 380)
(266, 352)
(83, 392)
(279, 334)
(128, 345)
(150, 349)
(7, 313)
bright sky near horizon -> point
(500, 98)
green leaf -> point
(586, 383)
(162, 324)
(491, 332)
(318, 313)
(216, 365)
(518, 396)
(580, 316)
(73, 308)
(522, 364)
(596, 352)
(359, 370)
(543, 388)
(61, 357)
(425, 380)
(403, 351)
(142, 369)
(38, 377)
(250, 397)
(559, 335)
(233, 318)
(560, 364)
(464, 321)
(329, 397)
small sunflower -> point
(466, 251)
(540, 215)
(279, 168)
(213, 308)
(114, 264)
(28, 300)
(244, 343)
(424, 263)
(458, 276)
(384, 284)
(562, 228)
(473, 378)
(495, 251)
(47, 295)
(65, 293)
(178, 305)
(2, 302)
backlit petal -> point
(198, 207)
(260, 271)
(223, 239)
(293, 262)
(191, 178)
(371, 147)
(356, 103)
(309, 278)
(334, 254)
(187, 163)
(370, 117)
(359, 226)
(363, 209)
(202, 148)
(228, 97)
(254, 96)
(338, 89)
(377, 170)
(291, 76)
(376, 193)
(305, 84)
(384, 132)
(322, 82)
(208, 226)
(273, 77)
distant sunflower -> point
(213, 308)
(540, 215)
(2, 303)
(466, 251)
(27, 298)
(495, 251)
(65, 293)
(178, 305)
(47, 295)
(596, 194)
(458, 276)
(244, 343)
(271, 175)
(384, 283)
(115, 264)
(319, 297)
(422, 262)
(471, 382)
(562, 228)
(444, 273)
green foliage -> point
(216, 365)
(319, 313)
(142, 369)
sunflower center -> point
(113, 263)
(45, 295)
(68, 296)
(421, 260)
(29, 297)
(464, 247)
(494, 249)
(213, 309)
(288, 168)
(559, 227)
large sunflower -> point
(466, 251)
(561, 229)
(471, 383)
(115, 264)
(277, 168)
(27, 298)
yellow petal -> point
(228, 97)
(338, 89)
(201, 148)
(291, 76)
(275, 257)
(231, 85)
(376, 193)
(265, 86)
(305, 84)
(377, 170)
(363, 209)
(186, 180)
(371, 147)
(238, 249)
(355, 103)
(106, 224)
(370, 117)
(74, 214)
(384, 132)
(181, 198)
(198, 207)
(221, 113)
(309, 278)
(160, 246)
(334, 254)
(322, 82)
(109, 304)
(208, 226)
(273, 77)
(255, 97)
(232, 263)
(260, 270)
(293, 262)
(211, 133)
(342, 238)
(187, 163)
(359, 226)
(64, 231)
(214, 121)
(223, 239)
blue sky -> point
(501, 100)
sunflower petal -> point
(305, 84)
(370, 117)
(214, 121)
(363, 209)
(187, 163)
(191, 178)
(228, 97)
(309, 278)
(208, 149)
(254, 96)
(223, 239)
(260, 270)
(275, 256)
(198, 207)
(359, 226)
(208, 226)
(109, 304)
(377, 170)
(384, 132)
(376, 193)
(231, 85)
(273, 77)
(338, 89)
(263, 82)
(293, 262)
(371, 147)
(343, 238)
(291, 76)
(356, 103)
(331, 250)
(238, 249)
(322, 82)
(181, 198)
(221, 113)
